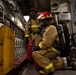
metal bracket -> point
(2, 10)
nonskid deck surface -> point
(31, 71)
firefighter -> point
(32, 27)
(46, 52)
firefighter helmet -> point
(33, 12)
(45, 15)
(33, 9)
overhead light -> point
(12, 18)
(26, 18)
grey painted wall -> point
(73, 12)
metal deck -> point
(31, 71)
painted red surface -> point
(36, 65)
(20, 59)
(29, 51)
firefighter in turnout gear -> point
(32, 27)
(46, 52)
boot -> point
(45, 72)
(48, 69)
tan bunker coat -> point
(46, 57)
(34, 30)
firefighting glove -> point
(35, 48)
